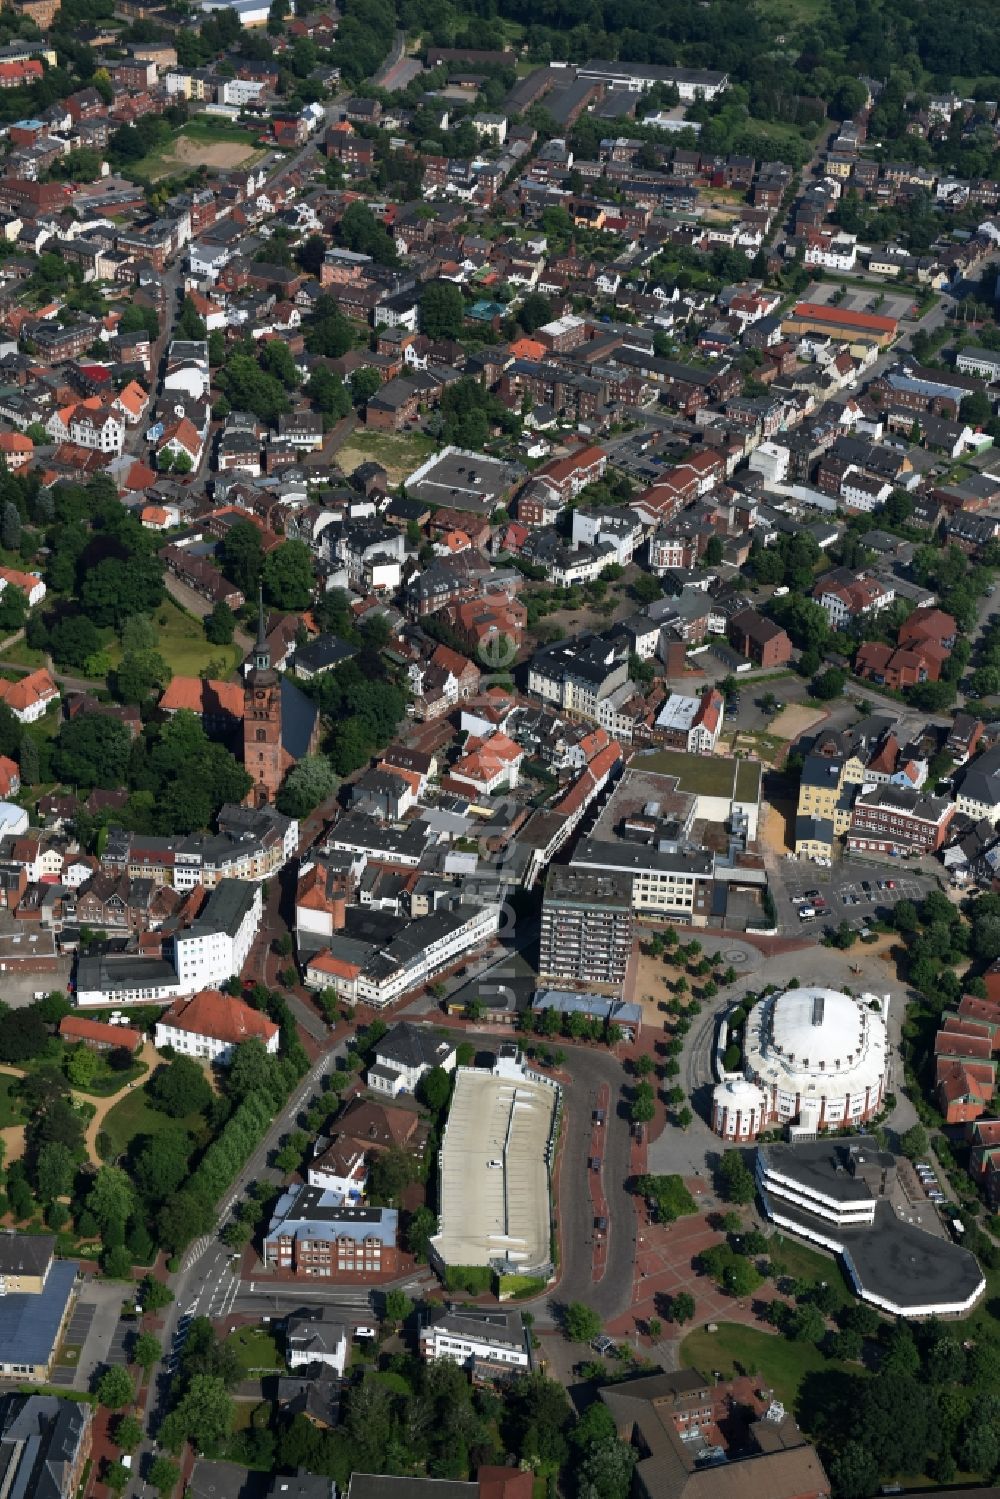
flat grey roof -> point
(494, 1171)
(821, 1166)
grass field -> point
(255, 1349)
(398, 452)
(706, 775)
(11, 1111)
(181, 641)
(803, 1263)
(781, 1363)
(135, 1115)
(203, 141)
(23, 654)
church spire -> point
(261, 653)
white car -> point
(365, 1332)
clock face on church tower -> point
(260, 695)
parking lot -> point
(841, 893)
(860, 299)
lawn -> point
(398, 452)
(11, 1111)
(255, 1349)
(22, 654)
(181, 641)
(706, 775)
(136, 1116)
(803, 1263)
(781, 1363)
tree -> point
(829, 684)
(54, 1171)
(154, 1295)
(128, 1433)
(581, 1323)
(806, 1325)
(442, 310)
(682, 1308)
(398, 1305)
(846, 1344)
(420, 1229)
(669, 1196)
(23, 1035)
(535, 311)
(164, 1475)
(146, 1350)
(434, 1089)
(914, 1143)
(288, 575)
(115, 1388)
(82, 1066)
(220, 625)
(365, 383)
(116, 1477)
(736, 1180)
(976, 408)
(242, 556)
(684, 1118)
(92, 750)
(645, 589)
(307, 784)
(204, 1416)
(713, 551)
(180, 1087)
(111, 1198)
(605, 1472)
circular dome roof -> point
(816, 1042)
(817, 1025)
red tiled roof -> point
(79, 1028)
(220, 1017)
(817, 312)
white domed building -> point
(815, 1059)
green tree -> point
(204, 1416)
(154, 1295)
(288, 575)
(146, 1350)
(220, 625)
(829, 684)
(914, 1143)
(127, 1433)
(115, 1388)
(242, 556)
(307, 784)
(442, 310)
(365, 383)
(581, 1323)
(398, 1305)
(737, 1182)
(434, 1089)
(164, 1475)
(179, 1087)
(682, 1308)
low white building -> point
(480, 1339)
(316, 1338)
(405, 1054)
(771, 460)
(210, 1025)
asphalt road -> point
(205, 1280)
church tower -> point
(262, 750)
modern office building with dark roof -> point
(845, 1196)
